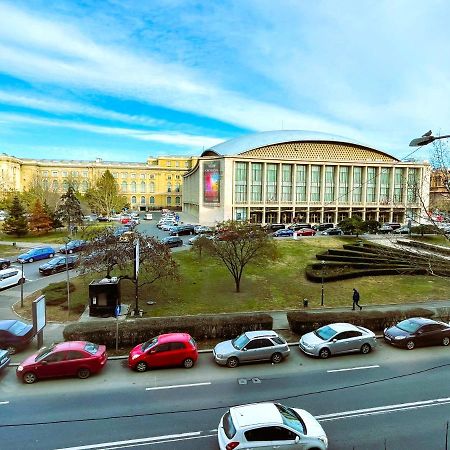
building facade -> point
(287, 176)
(158, 183)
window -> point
(177, 187)
(124, 175)
(357, 185)
(177, 163)
(133, 186)
(84, 186)
(329, 184)
(169, 200)
(133, 199)
(286, 183)
(412, 185)
(152, 200)
(273, 433)
(315, 184)
(55, 186)
(271, 184)
(371, 185)
(177, 200)
(142, 176)
(398, 185)
(75, 354)
(169, 163)
(85, 173)
(45, 184)
(124, 186)
(240, 184)
(45, 173)
(116, 174)
(133, 175)
(151, 176)
(142, 186)
(54, 173)
(343, 184)
(300, 184)
(64, 173)
(151, 186)
(384, 185)
(55, 357)
(162, 348)
(142, 200)
(176, 346)
(169, 187)
(186, 164)
(256, 189)
(74, 173)
(65, 185)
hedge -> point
(135, 331)
(302, 322)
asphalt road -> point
(390, 395)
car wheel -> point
(188, 363)
(410, 345)
(4, 266)
(51, 255)
(83, 373)
(276, 358)
(232, 362)
(29, 378)
(365, 348)
(446, 341)
(141, 366)
(31, 260)
(324, 353)
(11, 350)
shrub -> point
(134, 331)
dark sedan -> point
(285, 232)
(15, 335)
(172, 241)
(181, 230)
(418, 331)
(58, 264)
(73, 246)
(4, 263)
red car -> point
(172, 349)
(306, 232)
(70, 358)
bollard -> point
(305, 303)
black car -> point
(172, 241)
(58, 264)
(15, 335)
(271, 227)
(333, 232)
(4, 263)
(416, 332)
(299, 226)
(73, 246)
(4, 359)
(182, 229)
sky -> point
(125, 80)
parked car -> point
(202, 229)
(402, 230)
(284, 232)
(270, 425)
(169, 222)
(332, 232)
(4, 263)
(306, 232)
(195, 238)
(165, 350)
(148, 216)
(418, 331)
(73, 246)
(59, 264)
(323, 226)
(393, 225)
(271, 227)
(385, 229)
(36, 254)
(251, 346)
(5, 359)
(10, 277)
(182, 230)
(337, 338)
(104, 219)
(15, 335)
(172, 241)
(299, 226)
(117, 232)
(70, 358)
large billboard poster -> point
(211, 182)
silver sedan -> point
(337, 338)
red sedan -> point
(70, 358)
(306, 232)
(172, 349)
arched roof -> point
(245, 144)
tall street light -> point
(426, 139)
(321, 299)
(67, 278)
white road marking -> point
(4, 403)
(383, 409)
(134, 442)
(354, 368)
(178, 386)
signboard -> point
(211, 182)
(136, 258)
(117, 310)
(39, 316)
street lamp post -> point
(22, 279)
(426, 139)
(321, 298)
(68, 282)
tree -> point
(16, 223)
(40, 221)
(201, 244)
(69, 209)
(352, 225)
(238, 244)
(105, 197)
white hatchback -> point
(10, 277)
(270, 425)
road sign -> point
(117, 311)
(177, 217)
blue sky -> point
(124, 80)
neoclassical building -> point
(286, 176)
(156, 183)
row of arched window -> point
(132, 187)
(55, 185)
(151, 200)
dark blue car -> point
(283, 233)
(73, 246)
(35, 254)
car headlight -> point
(133, 357)
(398, 338)
(19, 369)
(324, 439)
(219, 355)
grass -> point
(207, 287)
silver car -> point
(251, 346)
(337, 338)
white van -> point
(148, 216)
(10, 277)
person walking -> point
(356, 299)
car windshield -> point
(408, 325)
(43, 352)
(91, 348)
(17, 327)
(325, 333)
(149, 344)
(291, 419)
(240, 342)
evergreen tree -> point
(40, 221)
(69, 209)
(16, 224)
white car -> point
(270, 425)
(148, 216)
(10, 277)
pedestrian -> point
(356, 299)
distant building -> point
(287, 176)
(440, 190)
(155, 183)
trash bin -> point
(305, 303)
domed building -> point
(297, 176)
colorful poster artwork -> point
(211, 182)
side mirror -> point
(297, 439)
(334, 340)
(244, 349)
(44, 363)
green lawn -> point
(206, 286)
